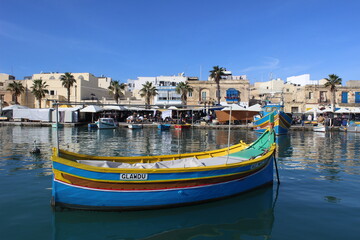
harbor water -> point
(318, 197)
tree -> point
(183, 89)
(331, 83)
(16, 88)
(68, 81)
(39, 89)
(148, 91)
(116, 88)
(216, 73)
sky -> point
(126, 39)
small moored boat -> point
(144, 182)
(182, 126)
(164, 126)
(320, 128)
(106, 123)
(135, 126)
(282, 121)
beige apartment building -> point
(87, 88)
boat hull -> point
(164, 126)
(135, 126)
(282, 123)
(320, 128)
(182, 126)
(79, 197)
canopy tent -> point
(342, 110)
(355, 110)
(256, 107)
(12, 107)
(118, 108)
(92, 109)
(234, 107)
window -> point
(203, 96)
(344, 97)
(311, 95)
(52, 92)
(357, 97)
(232, 95)
(1, 84)
(190, 94)
(295, 109)
(323, 96)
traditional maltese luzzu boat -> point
(129, 183)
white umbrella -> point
(343, 110)
(172, 108)
(234, 107)
(92, 109)
(355, 110)
(255, 108)
(119, 108)
(14, 107)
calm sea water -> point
(318, 198)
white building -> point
(302, 80)
(165, 86)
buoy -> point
(35, 150)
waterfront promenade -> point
(307, 127)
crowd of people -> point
(326, 119)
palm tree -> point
(332, 82)
(39, 89)
(183, 89)
(148, 91)
(16, 88)
(216, 74)
(116, 89)
(68, 81)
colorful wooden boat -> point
(282, 121)
(182, 126)
(164, 126)
(106, 123)
(127, 183)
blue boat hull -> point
(79, 197)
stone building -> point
(233, 89)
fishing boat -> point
(320, 128)
(135, 126)
(182, 126)
(282, 120)
(106, 123)
(57, 125)
(145, 182)
(353, 127)
(164, 126)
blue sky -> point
(125, 39)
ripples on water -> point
(318, 195)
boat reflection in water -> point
(250, 214)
